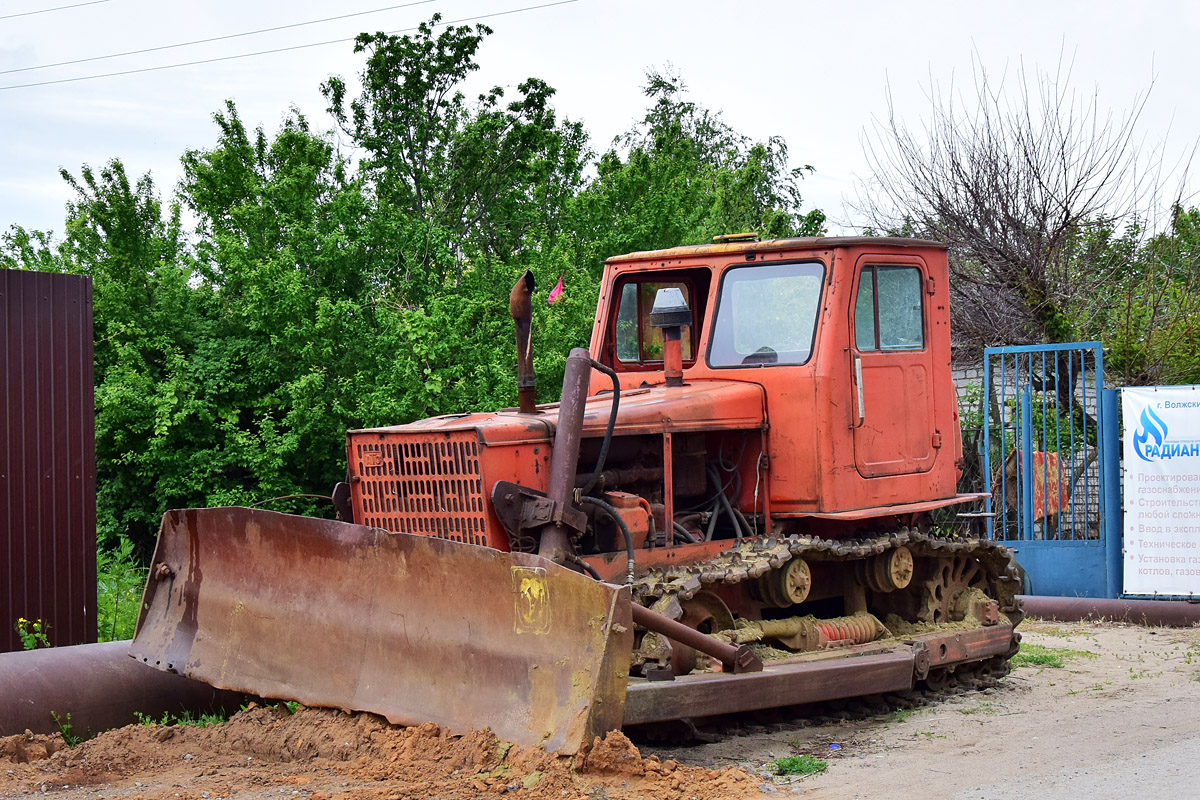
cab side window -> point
(637, 341)
(888, 313)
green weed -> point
(32, 633)
(901, 714)
(800, 765)
(187, 718)
(66, 729)
(1036, 655)
(1098, 687)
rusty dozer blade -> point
(414, 628)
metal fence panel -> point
(47, 457)
(1043, 438)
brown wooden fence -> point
(47, 457)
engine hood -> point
(696, 406)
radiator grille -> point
(431, 487)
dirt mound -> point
(330, 755)
(28, 747)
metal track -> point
(755, 557)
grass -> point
(982, 708)
(901, 714)
(198, 721)
(119, 583)
(1098, 687)
(800, 765)
(1037, 655)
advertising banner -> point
(1162, 490)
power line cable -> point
(212, 39)
(56, 8)
(275, 50)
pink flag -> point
(556, 292)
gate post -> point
(1112, 514)
(1027, 464)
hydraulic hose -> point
(716, 479)
(608, 432)
(616, 517)
(585, 566)
(684, 533)
(745, 522)
(713, 515)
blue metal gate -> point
(1046, 452)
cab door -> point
(892, 368)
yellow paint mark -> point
(531, 600)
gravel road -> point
(1119, 719)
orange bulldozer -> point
(731, 508)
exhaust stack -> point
(520, 306)
(555, 542)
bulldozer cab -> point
(848, 337)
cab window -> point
(767, 315)
(637, 341)
(888, 312)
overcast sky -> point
(817, 74)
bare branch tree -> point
(1017, 179)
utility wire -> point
(48, 10)
(212, 39)
(276, 50)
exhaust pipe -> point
(670, 313)
(555, 541)
(520, 307)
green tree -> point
(452, 181)
(682, 175)
(266, 398)
(1149, 316)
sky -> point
(818, 74)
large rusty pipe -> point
(99, 685)
(520, 306)
(1173, 613)
(564, 460)
(735, 658)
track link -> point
(982, 563)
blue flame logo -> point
(1152, 427)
